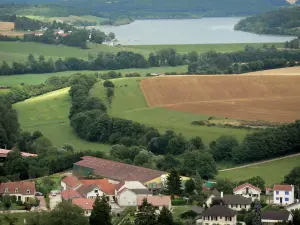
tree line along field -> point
(129, 103)
(273, 98)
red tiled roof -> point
(71, 181)
(282, 187)
(268, 189)
(155, 200)
(84, 203)
(118, 171)
(18, 187)
(70, 194)
(246, 185)
(4, 153)
(103, 184)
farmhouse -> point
(157, 201)
(219, 214)
(274, 217)
(248, 191)
(22, 190)
(283, 194)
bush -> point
(108, 83)
(188, 214)
(198, 123)
(178, 202)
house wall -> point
(239, 207)
(287, 197)
(94, 193)
(218, 220)
(252, 193)
(127, 198)
(209, 200)
(21, 197)
(63, 186)
(293, 207)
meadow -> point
(272, 172)
(129, 103)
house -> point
(70, 194)
(269, 191)
(274, 217)
(214, 194)
(283, 194)
(104, 185)
(4, 153)
(70, 183)
(157, 201)
(219, 214)
(90, 191)
(23, 190)
(127, 192)
(248, 191)
(85, 203)
(293, 206)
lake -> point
(187, 31)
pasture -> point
(40, 78)
(129, 103)
(246, 97)
(48, 113)
(272, 172)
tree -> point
(198, 183)
(65, 213)
(196, 143)
(165, 217)
(255, 181)
(296, 216)
(101, 213)
(146, 214)
(176, 145)
(6, 201)
(257, 216)
(222, 150)
(224, 185)
(189, 186)
(193, 56)
(10, 219)
(174, 183)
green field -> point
(49, 114)
(40, 78)
(271, 172)
(129, 103)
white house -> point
(274, 217)
(214, 194)
(293, 206)
(248, 191)
(90, 191)
(283, 194)
(219, 214)
(22, 190)
(158, 201)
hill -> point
(269, 98)
(281, 21)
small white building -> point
(283, 194)
(214, 194)
(248, 191)
(23, 190)
(219, 214)
(274, 217)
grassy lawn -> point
(48, 113)
(40, 78)
(177, 210)
(129, 103)
(271, 172)
(20, 217)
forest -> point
(283, 21)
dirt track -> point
(248, 97)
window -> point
(96, 191)
(16, 190)
(286, 199)
(28, 191)
(277, 198)
(6, 190)
(277, 192)
(230, 218)
(220, 217)
(286, 193)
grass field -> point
(271, 172)
(40, 78)
(129, 103)
(20, 217)
(49, 114)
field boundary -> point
(259, 163)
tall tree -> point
(101, 213)
(165, 217)
(257, 217)
(189, 186)
(146, 214)
(174, 183)
(296, 216)
(198, 183)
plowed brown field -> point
(7, 26)
(248, 97)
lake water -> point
(189, 31)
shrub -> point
(188, 214)
(198, 123)
(178, 202)
(108, 83)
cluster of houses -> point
(127, 185)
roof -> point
(269, 189)
(197, 209)
(282, 187)
(155, 200)
(4, 153)
(84, 203)
(245, 186)
(236, 200)
(216, 193)
(18, 187)
(86, 188)
(275, 215)
(104, 185)
(71, 181)
(292, 205)
(136, 191)
(219, 210)
(70, 194)
(117, 170)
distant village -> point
(126, 185)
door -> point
(280, 200)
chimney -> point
(221, 194)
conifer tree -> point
(165, 217)
(146, 214)
(101, 213)
(257, 216)
(174, 183)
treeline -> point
(248, 60)
(294, 44)
(283, 21)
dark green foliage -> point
(224, 185)
(174, 183)
(256, 181)
(296, 216)
(188, 214)
(101, 213)
(178, 201)
(189, 186)
(294, 178)
(257, 214)
(108, 83)
(222, 149)
(145, 215)
(165, 217)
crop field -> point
(40, 78)
(272, 98)
(7, 26)
(283, 71)
(48, 113)
(129, 103)
(272, 172)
